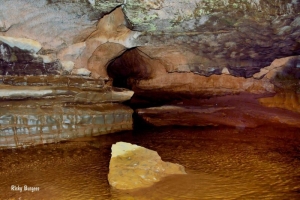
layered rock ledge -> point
(240, 111)
(46, 109)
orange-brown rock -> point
(133, 166)
(232, 110)
(285, 100)
(109, 41)
(213, 85)
(157, 71)
(102, 56)
(276, 66)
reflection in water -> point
(222, 163)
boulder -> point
(133, 166)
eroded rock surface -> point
(45, 109)
(240, 111)
(289, 101)
(29, 123)
(199, 36)
(204, 37)
(133, 166)
(199, 47)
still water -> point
(221, 162)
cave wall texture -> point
(168, 43)
(185, 47)
(237, 37)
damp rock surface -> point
(45, 109)
(28, 124)
(243, 110)
(133, 166)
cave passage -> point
(211, 85)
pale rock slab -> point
(276, 66)
(49, 58)
(133, 166)
(22, 43)
(122, 95)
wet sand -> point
(221, 162)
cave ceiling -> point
(203, 37)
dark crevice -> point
(131, 64)
(119, 80)
(128, 22)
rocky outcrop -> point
(45, 109)
(175, 47)
(133, 166)
(240, 111)
(18, 56)
(55, 24)
(201, 37)
(204, 37)
(28, 123)
(284, 73)
(287, 100)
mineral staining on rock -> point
(133, 166)
(32, 123)
(240, 111)
(45, 109)
(286, 100)
(38, 110)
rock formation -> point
(44, 109)
(244, 110)
(28, 123)
(178, 48)
(199, 36)
(133, 166)
(240, 111)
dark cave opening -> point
(119, 70)
(132, 65)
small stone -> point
(225, 71)
(133, 166)
(81, 72)
(49, 58)
(67, 65)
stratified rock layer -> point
(133, 166)
(289, 101)
(45, 109)
(27, 123)
(240, 111)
